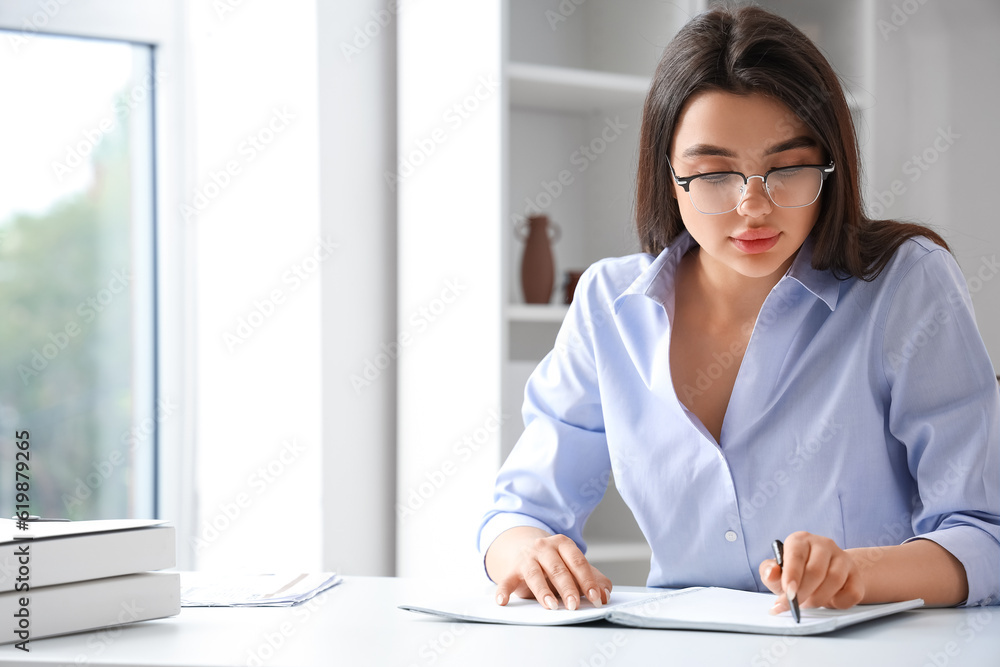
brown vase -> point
(569, 286)
(538, 274)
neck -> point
(730, 295)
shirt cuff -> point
(502, 522)
(979, 553)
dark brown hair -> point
(748, 50)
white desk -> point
(357, 623)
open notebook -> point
(695, 608)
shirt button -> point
(731, 536)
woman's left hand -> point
(816, 571)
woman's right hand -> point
(530, 563)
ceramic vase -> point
(538, 272)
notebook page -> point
(741, 611)
(519, 611)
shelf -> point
(523, 312)
(573, 90)
(618, 552)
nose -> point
(755, 201)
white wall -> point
(450, 221)
(258, 258)
(357, 102)
(937, 96)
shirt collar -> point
(822, 284)
(657, 280)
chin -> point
(761, 266)
(758, 272)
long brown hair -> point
(749, 50)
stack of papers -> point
(211, 589)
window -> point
(77, 267)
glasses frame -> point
(824, 169)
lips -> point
(755, 241)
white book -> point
(89, 605)
(61, 552)
(697, 608)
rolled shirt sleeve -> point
(945, 409)
(559, 468)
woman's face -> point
(751, 134)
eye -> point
(716, 179)
(790, 175)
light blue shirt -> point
(867, 412)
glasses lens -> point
(716, 193)
(793, 187)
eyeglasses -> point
(722, 191)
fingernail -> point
(550, 602)
(594, 597)
(571, 602)
(790, 590)
(500, 599)
(607, 593)
(768, 571)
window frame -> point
(159, 24)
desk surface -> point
(357, 623)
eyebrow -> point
(798, 142)
(702, 150)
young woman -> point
(774, 365)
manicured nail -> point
(571, 602)
(607, 593)
(500, 598)
(550, 602)
(594, 597)
(768, 571)
(790, 590)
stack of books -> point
(59, 577)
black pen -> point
(779, 553)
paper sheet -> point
(214, 589)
